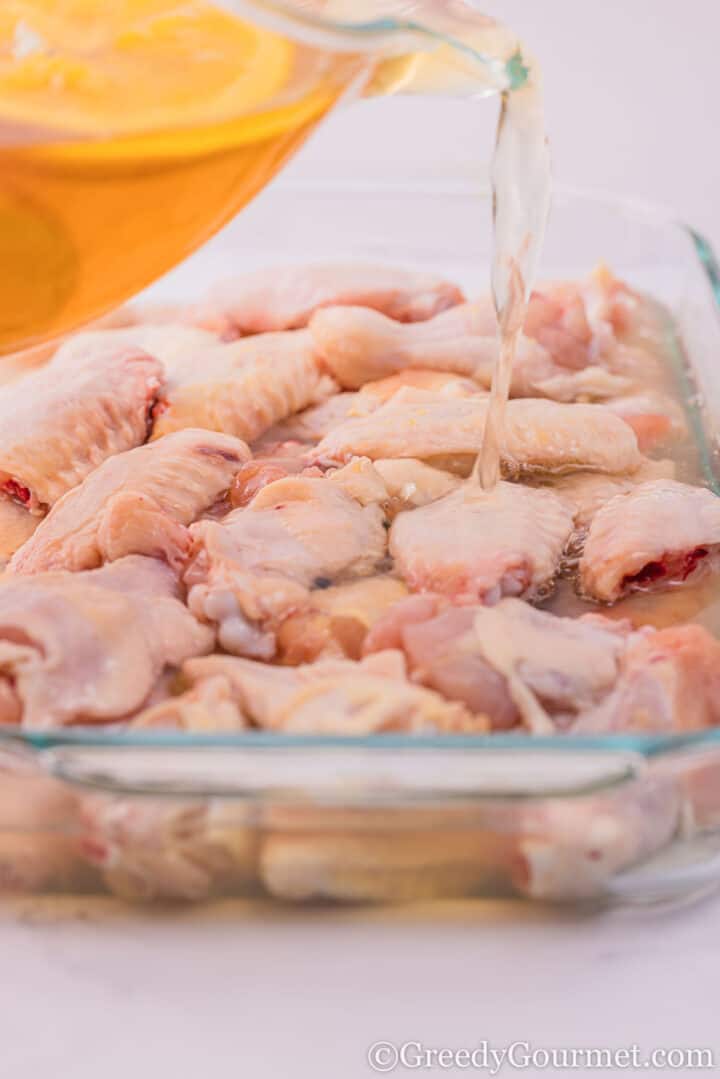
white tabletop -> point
(91, 989)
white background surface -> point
(242, 995)
(632, 103)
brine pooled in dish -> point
(261, 512)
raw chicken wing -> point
(337, 696)
(175, 346)
(570, 848)
(476, 546)
(440, 383)
(658, 535)
(669, 683)
(208, 706)
(285, 297)
(540, 435)
(16, 526)
(242, 388)
(39, 830)
(358, 345)
(138, 502)
(60, 422)
(160, 849)
(90, 646)
(588, 491)
(313, 423)
(257, 565)
(512, 662)
(443, 654)
(555, 668)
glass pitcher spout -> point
(423, 46)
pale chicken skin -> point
(516, 664)
(337, 696)
(580, 323)
(558, 356)
(358, 345)
(442, 653)
(361, 480)
(631, 315)
(584, 675)
(89, 647)
(477, 546)
(337, 619)
(669, 683)
(591, 675)
(599, 321)
(60, 422)
(285, 297)
(523, 666)
(555, 668)
(587, 492)
(359, 477)
(656, 419)
(557, 319)
(608, 343)
(540, 435)
(571, 848)
(253, 568)
(154, 849)
(593, 383)
(313, 423)
(545, 436)
(440, 383)
(658, 535)
(243, 388)
(174, 345)
(409, 482)
(139, 502)
(209, 706)
(39, 849)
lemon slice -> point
(98, 69)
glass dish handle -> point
(344, 772)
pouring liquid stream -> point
(521, 182)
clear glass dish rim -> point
(646, 745)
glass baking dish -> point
(623, 818)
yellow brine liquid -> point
(129, 133)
